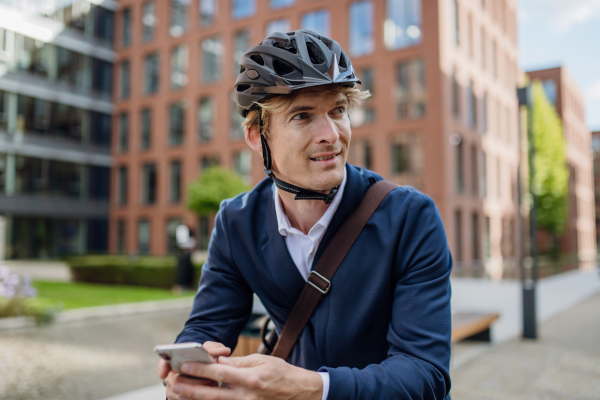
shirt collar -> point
(283, 223)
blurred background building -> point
(55, 126)
(442, 118)
(596, 155)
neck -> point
(302, 214)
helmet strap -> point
(301, 193)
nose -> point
(327, 132)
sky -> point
(567, 33)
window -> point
(149, 183)
(317, 21)
(242, 8)
(145, 128)
(241, 43)
(485, 112)
(242, 164)
(124, 79)
(550, 89)
(100, 126)
(175, 189)
(237, 131)
(455, 20)
(402, 28)
(361, 34)
(179, 64)
(3, 110)
(203, 233)
(275, 4)
(172, 224)
(209, 161)
(494, 59)
(176, 123)
(122, 186)
(48, 178)
(498, 179)
(455, 96)
(71, 68)
(470, 28)
(104, 24)
(144, 237)
(206, 113)
(126, 28)
(208, 12)
(368, 153)
(400, 161)
(123, 132)
(34, 56)
(460, 166)
(151, 73)
(483, 47)
(487, 240)
(212, 50)
(484, 184)
(365, 113)
(458, 235)
(101, 77)
(278, 25)
(410, 89)
(407, 158)
(475, 237)
(474, 172)
(121, 235)
(148, 21)
(178, 17)
(472, 106)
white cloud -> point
(593, 93)
(563, 15)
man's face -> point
(309, 140)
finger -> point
(247, 361)
(216, 349)
(163, 369)
(203, 392)
(222, 373)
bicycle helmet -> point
(285, 62)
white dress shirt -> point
(303, 247)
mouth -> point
(326, 157)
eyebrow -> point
(296, 109)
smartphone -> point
(178, 354)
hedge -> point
(160, 272)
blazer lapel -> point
(278, 260)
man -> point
(383, 330)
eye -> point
(340, 110)
(300, 116)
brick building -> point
(579, 238)
(442, 118)
(596, 154)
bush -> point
(159, 272)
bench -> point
(472, 326)
(465, 326)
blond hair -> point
(281, 102)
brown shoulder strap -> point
(319, 280)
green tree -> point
(550, 182)
(213, 186)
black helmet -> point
(284, 62)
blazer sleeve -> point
(223, 303)
(417, 364)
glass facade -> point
(206, 113)
(242, 8)
(275, 4)
(148, 21)
(176, 123)
(208, 12)
(145, 128)
(148, 192)
(179, 66)
(361, 35)
(3, 110)
(402, 27)
(278, 25)
(71, 68)
(179, 11)
(175, 186)
(317, 21)
(410, 89)
(151, 73)
(212, 51)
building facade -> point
(596, 167)
(442, 116)
(55, 120)
(579, 238)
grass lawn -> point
(77, 295)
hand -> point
(252, 377)
(172, 378)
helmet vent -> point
(282, 68)
(242, 88)
(315, 54)
(327, 42)
(288, 46)
(343, 60)
(257, 59)
(242, 68)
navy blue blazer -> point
(382, 332)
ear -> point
(253, 138)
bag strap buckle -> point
(327, 281)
